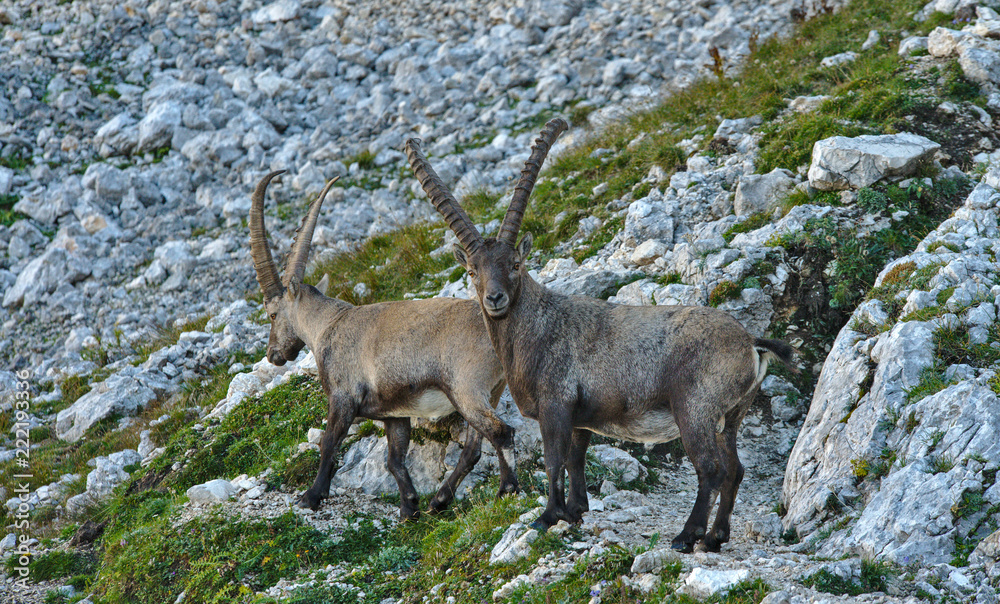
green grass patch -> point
(51, 457)
(724, 292)
(17, 160)
(931, 382)
(7, 214)
(953, 346)
(390, 264)
(168, 336)
(74, 387)
(752, 223)
(365, 160)
(875, 576)
(255, 435)
(55, 564)
(218, 558)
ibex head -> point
(496, 266)
(281, 296)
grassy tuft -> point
(7, 214)
(55, 564)
(723, 292)
(390, 265)
(256, 434)
(875, 576)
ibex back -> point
(580, 365)
(390, 361)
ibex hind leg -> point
(471, 453)
(577, 502)
(397, 432)
(501, 436)
(734, 476)
(698, 438)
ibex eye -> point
(517, 266)
(472, 274)
(274, 316)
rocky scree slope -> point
(689, 237)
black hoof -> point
(436, 507)
(308, 502)
(540, 526)
(682, 547)
(508, 489)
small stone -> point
(872, 39)
(703, 583)
(839, 59)
(213, 491)
(513, 545)
(912, 45)
(648, 251)
(653, 561)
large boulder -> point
(845, 163)
(156, 130)
(648, 218)
(886, 458)
(44, 274)
(364, 467)
(762, 192)
(116, 395)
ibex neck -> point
(314, 314)
(522, 325)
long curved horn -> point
(267, 273)
(295, 270)
(515, 212)
(442, 198)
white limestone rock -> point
(648, 218)
(912, 45)
(843, 163)
(762, 192)
(118, 394)
(513, 545)
(704, 582)
(213, 491)
(653, 561)
(839, 59)
(648, 251)
(364, 467)
(619, 461)
(110, 472)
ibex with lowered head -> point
(390, 361)
(580, 365)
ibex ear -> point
(324, 284)
(524, 246)
(460, 256)
(293, 290)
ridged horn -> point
(267, 273)
(441, 197)
(297, 258)
(515, 212)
